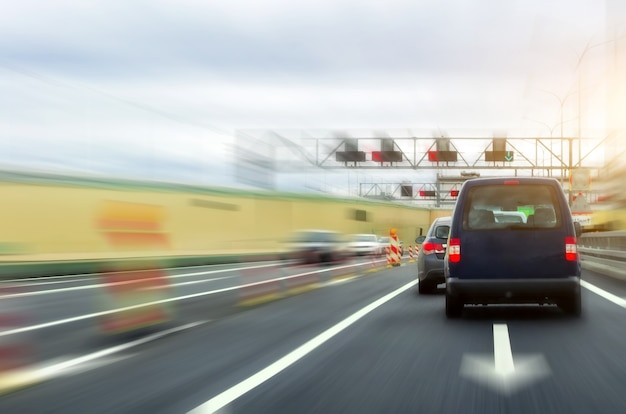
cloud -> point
(265, 38)
(162, 79)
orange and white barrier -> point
(139, 227)
(16, 353)
(131, 289)
(411, 253)
(395, 248)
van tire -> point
(454, 306)
(424, 287)
(572, 305)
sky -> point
(158, 89)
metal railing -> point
(604, 252)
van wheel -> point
(572, 305)
(424, 287)
(454, 306)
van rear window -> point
(525, 206)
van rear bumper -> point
(512, 290)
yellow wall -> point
(56, 221)
(614, 219)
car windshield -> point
(526, 206)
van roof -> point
(513, 180)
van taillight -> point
(571, 251)
(454, 250)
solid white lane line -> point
(223, 399)
(191, 282)
(51, 291)
(108, 312)
(502, 354)
(603, 293)
(212, 272)
(82, 276)
(157, 302)
(100, 285)
(51, 371)
(24, 282)
(104, 285)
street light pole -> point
(569, 192)
(562, 104)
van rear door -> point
(490, 248)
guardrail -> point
(604, 252)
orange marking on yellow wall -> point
(127, 224)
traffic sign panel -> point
(505, 156)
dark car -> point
(535, 261)
(318, 246)
(431, 255)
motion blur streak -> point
(17, 353)
(126, 289)
(53, 370)
(166, 300)
(221, 400)
(88, 226)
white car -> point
(385, 242)
(364, 244)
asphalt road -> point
(359, 339)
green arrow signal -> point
(508, 156)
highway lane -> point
(234, 337)
(402, 356)
(67, 297)
(56, 320)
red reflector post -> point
(571, 250)
(454, 250)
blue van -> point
(503, 261)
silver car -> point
(364, 245)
